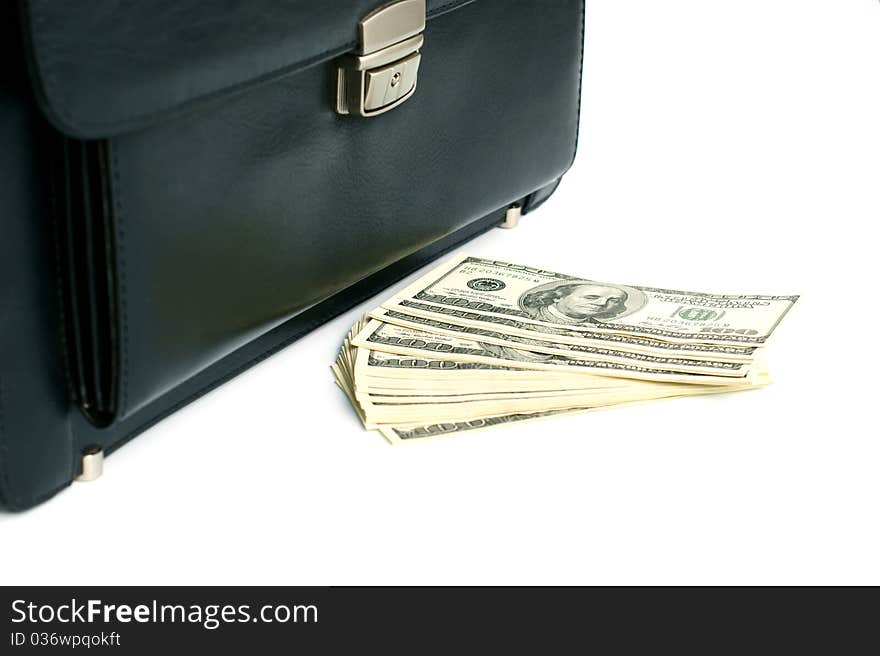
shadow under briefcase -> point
(188, 186)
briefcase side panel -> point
(231, 221)
(36, 443)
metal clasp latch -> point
(382, 73)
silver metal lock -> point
(382, 74)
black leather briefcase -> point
(188, 186)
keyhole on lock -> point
(395, 79)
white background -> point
(725, 146)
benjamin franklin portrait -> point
(581, 302)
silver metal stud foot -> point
(92, 464)
(511, 219)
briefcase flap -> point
(109, 67)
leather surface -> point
(251, 218)
(230, 221)
(36, 442)
(108, 66)
(113, 437)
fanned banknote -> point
(540, 301)
(479, 343)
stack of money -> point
(479, 342)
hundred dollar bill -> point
(430, 410)
(687, 365)
(515, 382)
(578, 305)
(425, 397)
(378, 411)
(391, 373)
(403, 433)
(408, 434)
(633, 343)
(381, 336)
(415, 420)
(392, 369)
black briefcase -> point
(188, 186)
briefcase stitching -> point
(122, 294)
